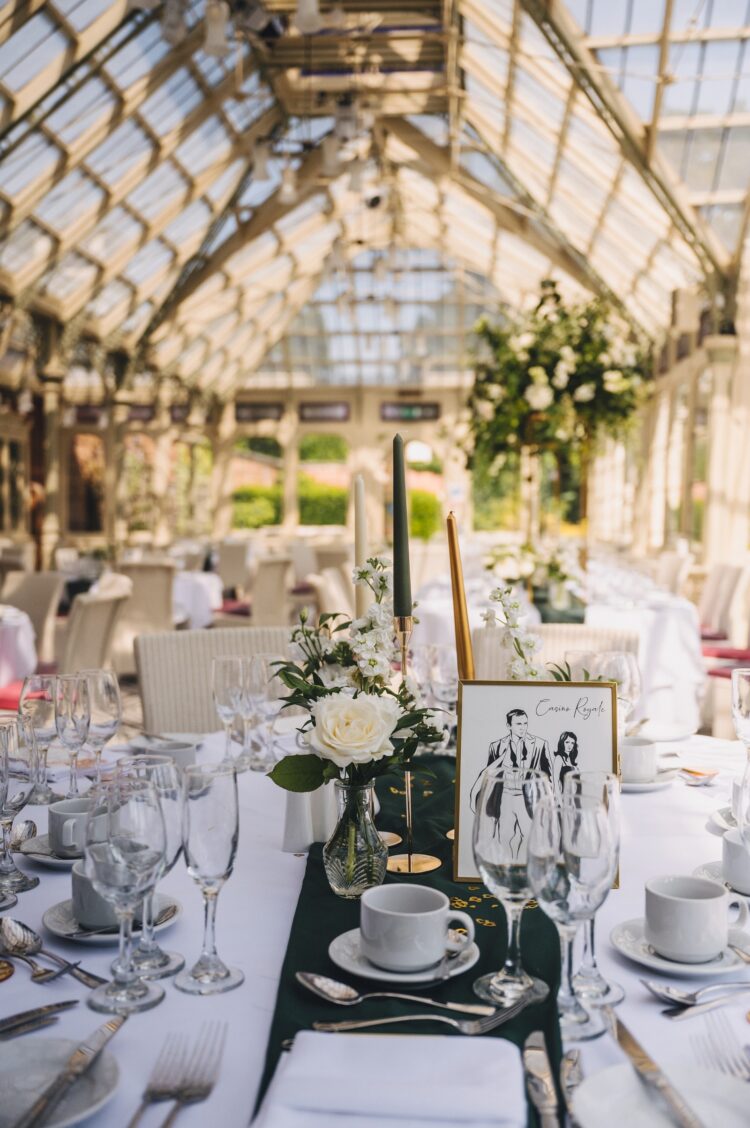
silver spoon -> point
(41, 974)
(17, 939)
(667, 994)
(22, 832)
(346, 996)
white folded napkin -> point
(309, 816)
(402, 1081)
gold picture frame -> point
(483, 710)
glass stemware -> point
(741, 718)
(72, 720)
(210, 831)
(226, 683)
(620, 667)
(18, 775)
(37, 702)
(504, 809)
(571, 866)
(123, 856)
(604, 787)
(268, 704)
(106, 712)
(149, 958)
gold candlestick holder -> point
(409, 862)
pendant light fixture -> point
(261, 153)
(307, 18)
(216, 43)
(288, 189)
(173, 22)
(330, 147)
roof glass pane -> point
(73, 196)
(728, 13)
(39, 43)
(689, 15)
(138, 57)
(171, 103)
(720, 68)
(160, 189)
(684, 65)
(73, 273)
(124, 148)
(205, 145)
(150, 260)
(225, 182)
(703, 158)
(115, 231)
(112, 295)
(27, 246)
(735, 167)
(638, 78)
(34, 157)
(673, 147)
(606, 18)
(646, 16)
(189, 224)
(726, 221)
(79, 13)
(81, 109)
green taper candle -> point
(401, 576)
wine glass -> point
(504, 809)
(269, 703)
(741, 718)
(124, 849)
(605, 787)
(37, 702)
(444, 687)
(622, 668)
(72, 719)
(226, 682)
(571, 865)
(18, 775)
(210, 830)
(149, 959)
(106, 711)
(580, 663)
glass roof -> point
(221, 216)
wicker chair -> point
(90, 631)
(490, 658)
(174, 672)
(38, 594)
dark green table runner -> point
(321, 916)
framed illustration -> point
(553, 727)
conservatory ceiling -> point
(212, 216)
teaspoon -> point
(17, 939)
(346, 996)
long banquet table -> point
(663, 832)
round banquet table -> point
(663, 832)
(196, 595)
(17, 649)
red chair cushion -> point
(10, 695)
(235, 607)
(721, 672)
(728, 653)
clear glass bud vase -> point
(355, 856)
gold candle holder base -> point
(390, 838)
(450, 835)
(413, 863)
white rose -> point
(585, 393)
(353, 730)
(485, 410)
(539, 396)
(561, 376)
(525, 341)
(538, 374)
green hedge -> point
(323, 448)
(320, 504)
(425, 514)
(257, 505)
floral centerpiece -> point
(361, 723)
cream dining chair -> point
(269, 595)
(174, 672)
(87, 642)
(491, 658)
(38, 594)
(148, 611)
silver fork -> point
(166, 1077)
(201, 1070)
(465, 1026)
(721, 1049)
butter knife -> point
(28, 1027)
(82, 1058)
(652, 1076)
(539, 1080)
(23, 1017)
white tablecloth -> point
(17, 649)
(434, 613)
(196, 595)
(663, 832)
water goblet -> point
(588, 980)
(123, 855)
(504, 808)
(149, 958)
(37, 702)
(741, 718)
(269, 703)
(622, 668)
(226, 682)
(210, 830)
(571, 866)
(18, 775)
(72, 720)
(106, 712)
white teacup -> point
(405, 927)
(89, 908)
(736, 861)
(637, 760)
(66, 826)
(687, 918)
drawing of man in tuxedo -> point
(517, 749)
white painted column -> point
(221, 436)
(724, 454)
(53, 477)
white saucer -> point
(719, 822)
(37, 850)
(23, 1075)
(661, 781)
(59, 920)
(629, 940)
(346, 954)
(714, 871)
(715, 1098)
(665, 733)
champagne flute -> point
(37, 702)
(123, 856)
(571, 863)
(149, 958)
(741, 718)
(269, 703)
(622, 668)
(18, 775)
(210, 831)
(226, 682)
(72, 720)
(605, 787)
(504, 809)
(106, 711)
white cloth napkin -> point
(402, 1081)
(310, 817)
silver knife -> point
(571, 1076)
(29, 1027)
(652, 1076)
(82, 1058)
(539, 1080)
(23, 1017)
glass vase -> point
(354, 857)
